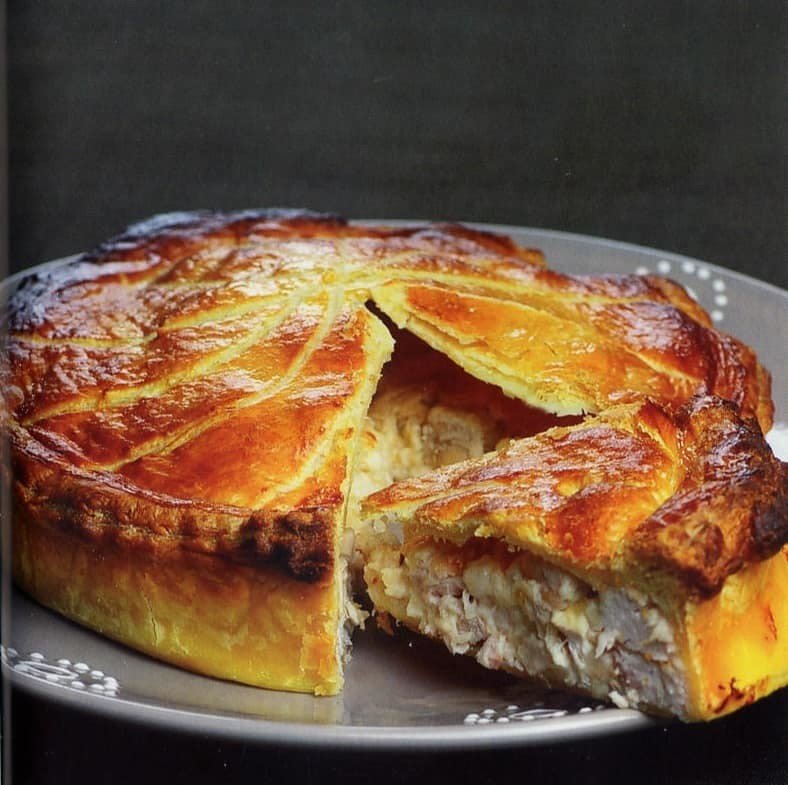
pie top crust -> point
(199, 382)
(633, 496)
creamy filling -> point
(516, 612)
(407, 434)
(350, 613)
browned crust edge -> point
(731, 507)
(101, 509)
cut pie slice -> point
(634, 557)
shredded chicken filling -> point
(407, 434)
(516, 612)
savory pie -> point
(564, 476)
(626, 557)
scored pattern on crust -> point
(140, 364)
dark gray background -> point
(656, 123)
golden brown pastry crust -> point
(193, 389)
(730, 508)
(693, 497)
(253, 624)
(687, 510)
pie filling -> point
(407, 432)
(510, 610)
(513, 611)
(428, 412)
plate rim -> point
(597, 240)
(336, 736)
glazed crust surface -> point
(687, 509)
(194, 388)
(634, 493)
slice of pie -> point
(633, 557)
(199, 410)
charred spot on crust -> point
(734, 694)
(770, 522)
(731, 507)
(300, 541)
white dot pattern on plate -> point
(531, 713)
(62, 672)
(701, 274)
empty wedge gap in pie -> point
(428, 412)
(217, 420)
